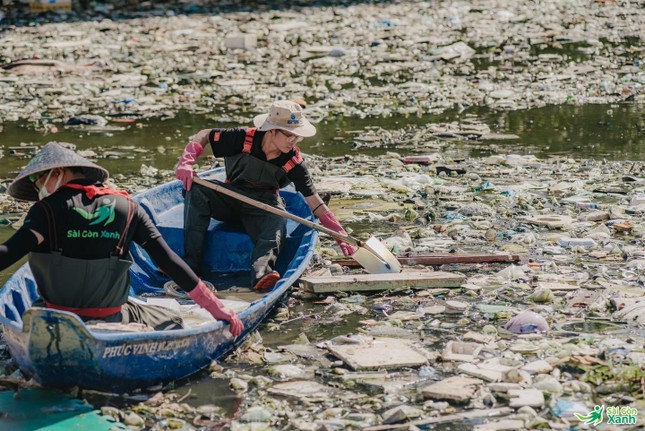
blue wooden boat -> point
(57, 349)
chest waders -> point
(94, 288)
(259, 180)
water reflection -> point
(613, 132)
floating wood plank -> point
(503, 425)
(526, 397)
(461, 352)
(499, 136)
(458, 388)
(486, 375)
(377, 353)
(379, 382)
(552, 221)
(472, 414)
(366, 282)
(302, 390)
(309, 352)
(443, 259)
(556, 286)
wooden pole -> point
(277, 211)
(442, 259)
(387, 259)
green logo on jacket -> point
(104, 213)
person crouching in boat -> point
(259, 161)
(78, 234)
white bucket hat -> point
(285, 115)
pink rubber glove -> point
(184, 171)
(207, 299)
(328, 220)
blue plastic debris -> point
(39, 409)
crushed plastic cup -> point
(587, 205)
(527, 322)
(565, 409)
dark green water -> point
(612, 132)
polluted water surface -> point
(488, 130)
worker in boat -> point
(78, 234)
(259, 161)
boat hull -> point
(57, 349)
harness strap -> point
(91, 191)
(119, 246)
(98, 312)
(51, 224)
(293, 162)
(248, 140)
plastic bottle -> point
(484, 186)
(587, 205)
(576, 242)
(421, 160)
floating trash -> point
(576, 226)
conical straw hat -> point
(51, 156)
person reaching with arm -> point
(258, 161)
(78, 234)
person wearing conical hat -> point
(259, 161)
(78, 235)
